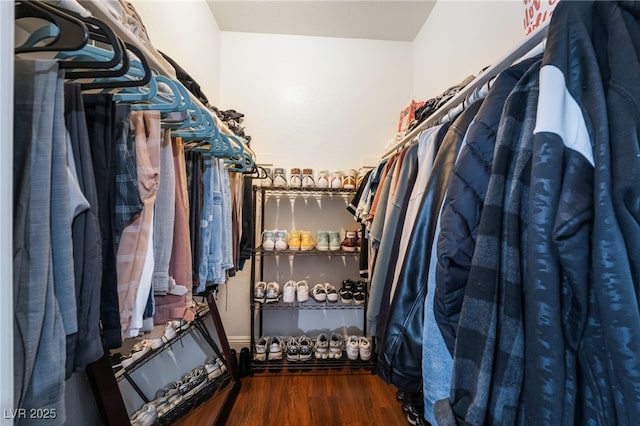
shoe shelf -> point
(314, 252)
(313, 364)
(321, 266)
(308, 305)
(303, 191)
(201, 314)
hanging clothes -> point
(400, 360)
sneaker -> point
(349, 179)
(275, 349)
(280, 240)
(307, 179)
(169, 333)
(362, 172)
(306, 241)
(268, 240)
(353, 348)
(262, 347)
(323, 241)
(332, 293)
(294, 240)
(335, 346)
(302, 291)
(293, 352)
(305, 347)
(364, 347)
(336, 179)
(322, 346)
(289, 292)
(273, 292)
(268, 179)
(359, 293)
(295, 179)
(279, 178)
(346, 292)
(323, 179)
(349, 243)
(259, 291)
(318, 293)
(334, 241)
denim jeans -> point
(206, 223)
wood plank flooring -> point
(326, 400)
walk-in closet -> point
(319, 212)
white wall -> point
(187, 32)
(460, 38)
(316, 102)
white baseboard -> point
(239, 342)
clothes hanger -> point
(72, 34)
(101, 83)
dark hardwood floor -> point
(326, 400)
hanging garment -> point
(387, 230)
(165, 211)
(39, 323)
(400, 358)
(133, 257)
(488, 365)
(248, 227)
(464, 201)
(86, 346)
(587, 129)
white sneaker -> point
(279, 178)
(305, 348)
(322, 346)
(275, 349)
(335, 346)
(262, 346)
(259, 292)
(336, 179)
(353, 348)
(289, 292)
(169, 333)
(364, 345)
(273, 292)
(302, 291)
(268, 240)
(332, 293)
(293, 351)
(280, 240)
(323, 179)
(318, 293)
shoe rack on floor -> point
(105, 380)
(312, 209)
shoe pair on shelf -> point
(268, 348)
(293, 290)
(322, 292)
(353, 291)
(359, 346)
(299, 348)
(301, 179)
(264, 292)
(328, 241)
(352, 241)
(301, 240)
(145, 346)
(275, 240)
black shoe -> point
(245, 360)
(401, 395)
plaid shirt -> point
(488, 366)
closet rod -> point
(534, 39)
(100, 10)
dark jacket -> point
(400, 354)
(583, 320)
(463, 204)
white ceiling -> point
(379, 20)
